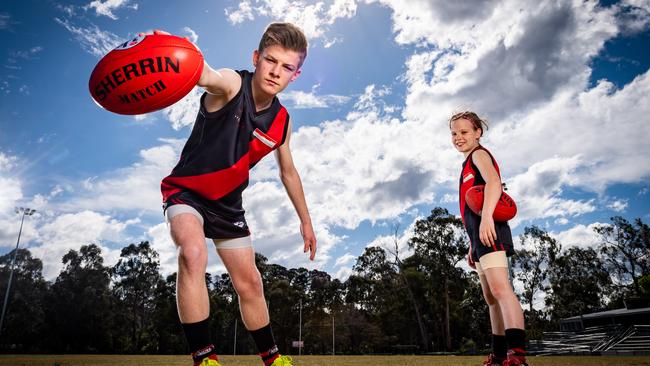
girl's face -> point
(464, 136)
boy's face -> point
(275, 68)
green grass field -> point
(101, 360)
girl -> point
(490, 242)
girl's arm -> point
(483, 162)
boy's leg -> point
(240, 263)
(191, 291)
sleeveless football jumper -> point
(470, 177)
(213, 169)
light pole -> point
(333, 338)
(25, 212)
(300, 331)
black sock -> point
(198, 339)
(263, 338)
(516, 339)
(499, 346)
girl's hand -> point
(487, 232)
(470, 261)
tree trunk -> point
(447, 328)
(416, 308)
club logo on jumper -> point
(468, 177)
(128, 44)
(240, 224)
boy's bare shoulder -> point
(222, 85)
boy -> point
(240, 120)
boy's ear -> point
(296, 74)
(256, 57)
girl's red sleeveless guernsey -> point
(224, 146)
(470, 177)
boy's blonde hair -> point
(286, 35)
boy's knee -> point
(193, 257)
(250, 286)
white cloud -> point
(243, 12)
(107, 7)
(582, 236)
(396, 244)
(183, 113)
(508, 61)
(135, 188)
(343, 273)
(191, 34)
(5, 21)
(314, 19)
(449, 198)
(11, 187)
(561, 221)
(633, 16)
(92, 39)
(345, 260)
(29, 54)
(69, 10)
(7, 162)
(618, 205)
(299, 99)
(275, 226)
(358, 169)
(57, 234)
(538, 190)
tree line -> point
(391, 303)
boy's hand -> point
(155, 31)
(158, 31)
(309, 238)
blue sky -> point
(564, 85)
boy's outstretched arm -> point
(219, 82)
(291, 181)
(222, 85)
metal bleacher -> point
(610, 339)
(635, 339)
(579, 342)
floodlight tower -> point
(24, 211)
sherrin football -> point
(147, 73)
(505, 209)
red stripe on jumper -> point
(216, 184)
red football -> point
(145, 74)
(505, 209)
